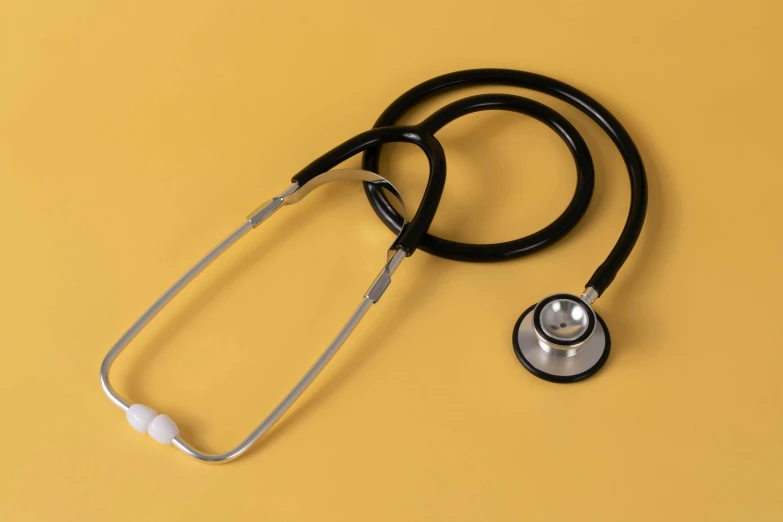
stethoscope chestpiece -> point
(561, 339)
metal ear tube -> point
(161, 427)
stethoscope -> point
(559, 339)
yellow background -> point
(135, 135)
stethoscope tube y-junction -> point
(605, 273)
(409, 238)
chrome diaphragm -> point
(561, 338)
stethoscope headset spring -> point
(559, 339)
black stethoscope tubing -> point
(607, 271)
(415, 231)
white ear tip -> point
(163, 429)
(140, 417)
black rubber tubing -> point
(541, 239)
(417, 228)
(607, 271)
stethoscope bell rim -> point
(563, 352)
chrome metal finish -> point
(291, 195)
(153, 310)
(548, 359)
(295, 193)
(383, 280)
(260, 214)
(559, 351)
(590, 295)
(340, 174)
(564, 319)
(565, 325)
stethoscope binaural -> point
(559, 339)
